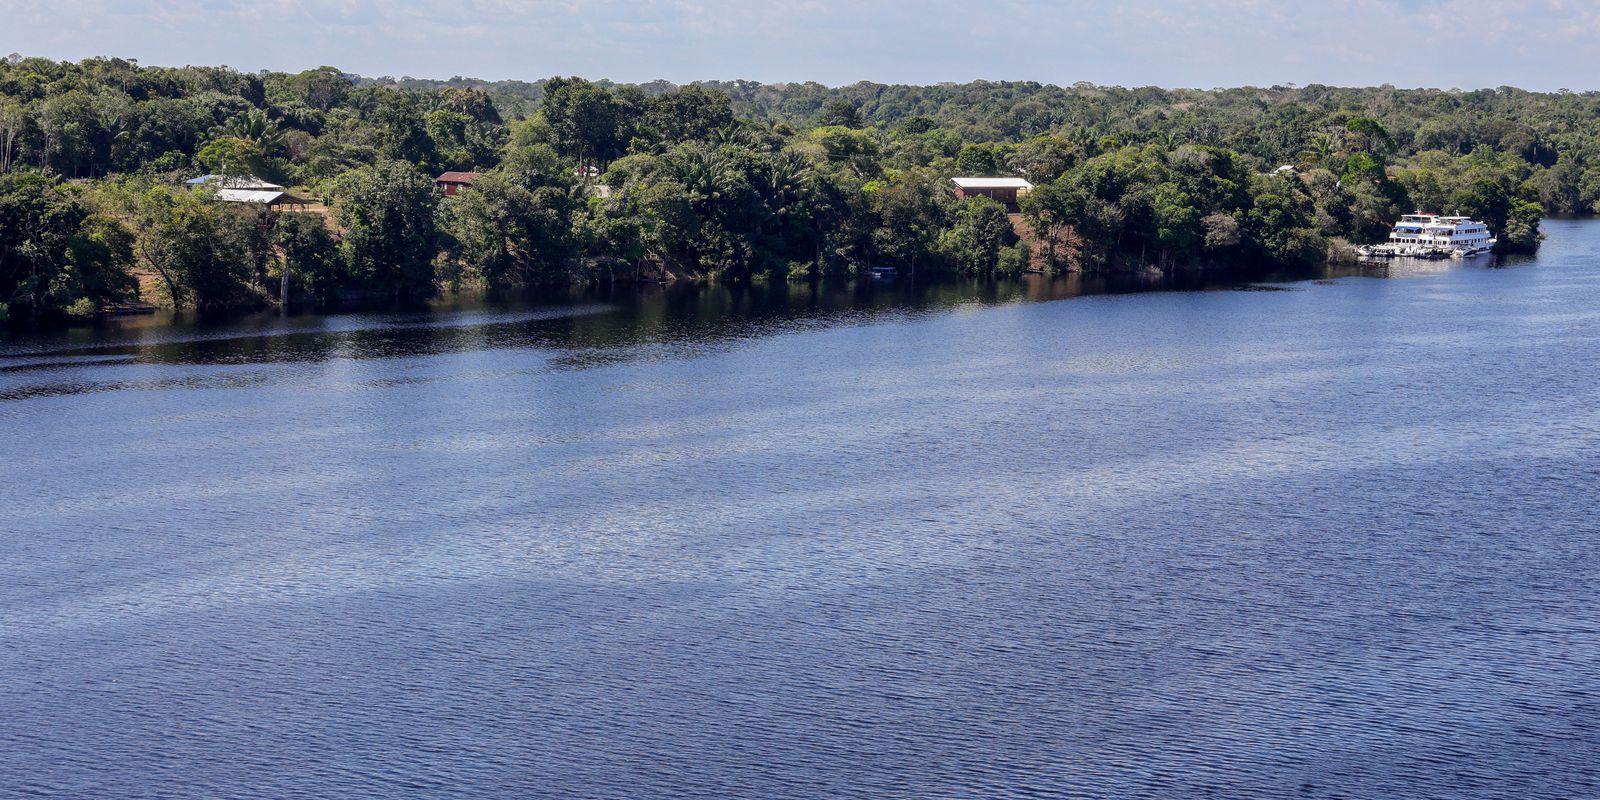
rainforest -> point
(573, 181)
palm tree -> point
(703, 171)
(784, 182)
(256, 128)
(784, 175)
(733, 134)
(116, 130)
(1318, 151)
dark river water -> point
(1317, 539)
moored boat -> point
(1437, 235)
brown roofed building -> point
(451, 183)
(1004, 190)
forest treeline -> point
(734, 181)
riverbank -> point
(440, 186)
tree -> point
(514, 226)
(1042, 159)
(974, 243)
(588, 123)
(255, 126)
(13, 120)
(68, 126)
(1521, 232)
(857, 149)
(1371, 136)
(839, 112)
(977, 159)
(259, 134)
(321, 88)
(230, 155)
(56, 253)
(1372, 209)
(452, 135)
(1280, 224)
(1318, 152)
(1484, 199)
(1177, 223)
(310, 256)
(655, 221)
(391, 238)
(689, 114)
(1046, 210)
(1364, 168)
(1221, 232)
(201, 250)
(472, 101)
(402, 135)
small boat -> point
(127, 309)
(883, 273)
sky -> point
(1466, 44)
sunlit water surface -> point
(1334, 538)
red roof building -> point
(451, 183)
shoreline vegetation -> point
(579, 181)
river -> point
(1317, 538)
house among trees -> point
(1001, 190)
(244, 182)
(451, 183)
(272, 198)
(248, 189)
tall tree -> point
(201, 249)
(689, 114)
(589, 125)
(390, 238)
(56, 253)
(839, 112)
(310, 256)
(980, 231)
(514, 225)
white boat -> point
(1459, 237)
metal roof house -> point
(1004, 190)
(274, 198)
(246, 182)
(248, 189)
(451, 183)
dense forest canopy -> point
(585, 180)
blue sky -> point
(1536, 44)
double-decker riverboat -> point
(1437, 235)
